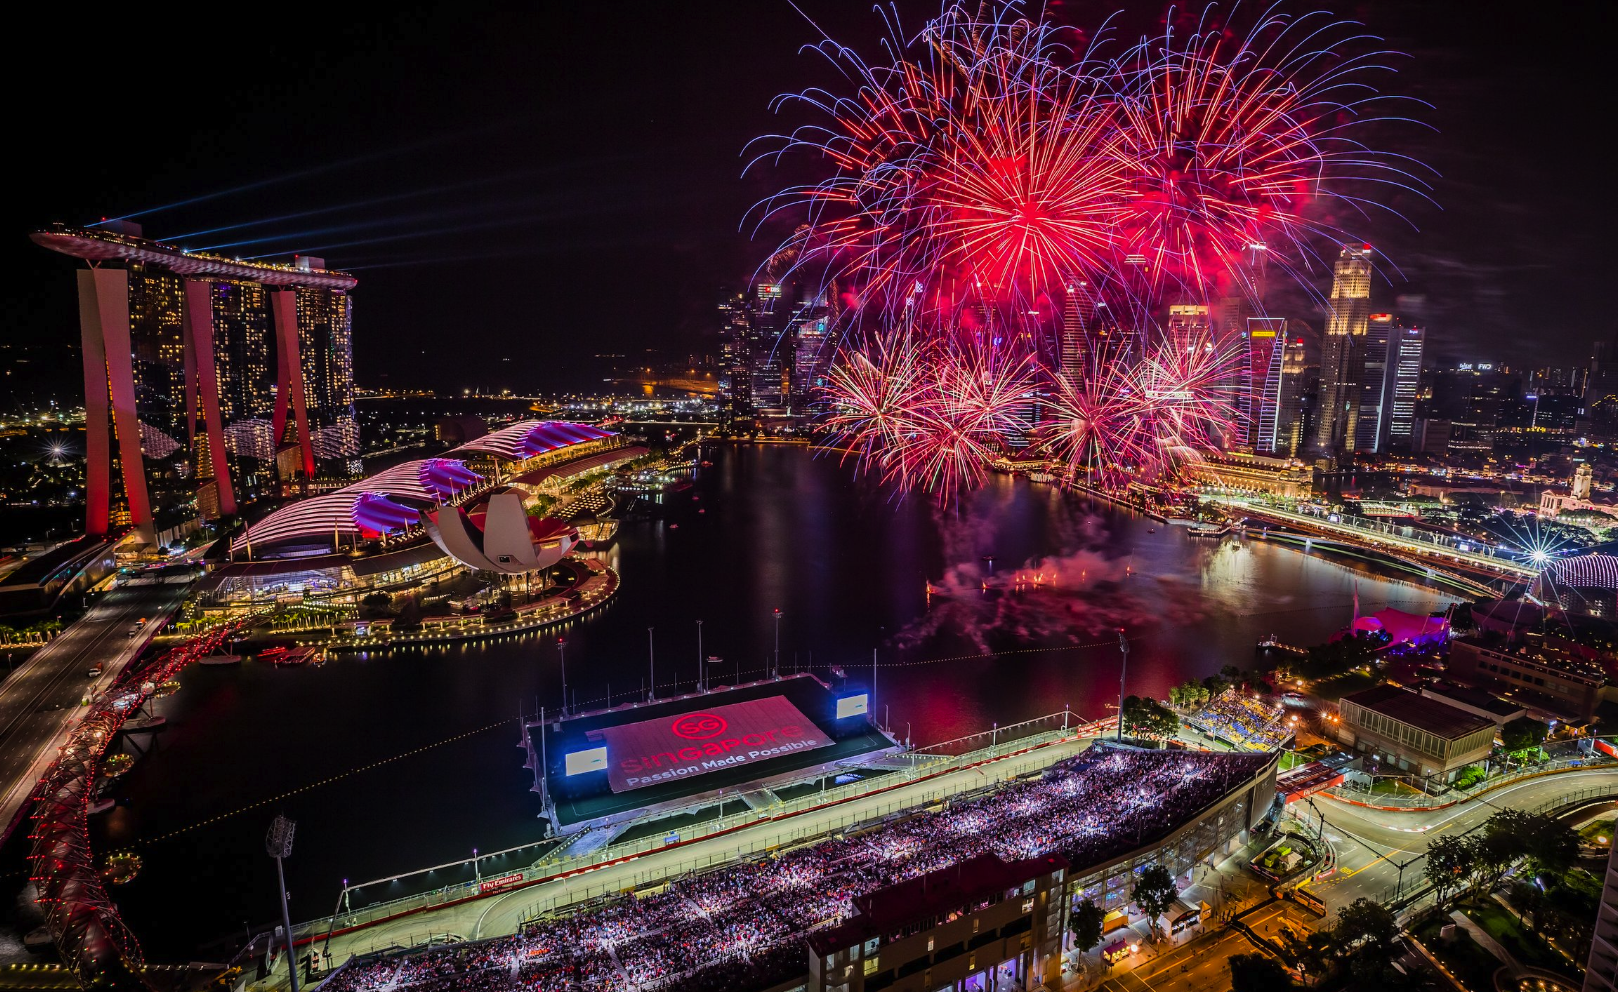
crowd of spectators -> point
(1242, 719)
(744, 925)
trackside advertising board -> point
(689, 744)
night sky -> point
(519, 188)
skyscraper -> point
(1342, 360)
(811, 352)
(1292, 394)
(756, 351)
(1370, 425)
(171, 342)
(1259, 401)
(1188, 325)
(1401, 386)
(1079, 320)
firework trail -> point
(981, 157)
(1237, 142)
(929, 407)
(994, 161)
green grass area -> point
(1393, 787)
(1471, 964)
(1335, 688)
(1527, 947)
(1598, 833)
(1290, 761)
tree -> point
(409, 615)
(1523, 733)
(1149, 717)
(1369, 930)
(1336, 657)
(1553, 846)
(1190, 694)
(1493, 854)
(1449, 863)
(1155, 892)
(1258, 973)
(1085, 922)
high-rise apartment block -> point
(206, 378)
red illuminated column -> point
(97, 443)
(202, 386)
(289, 376)
(104, 323)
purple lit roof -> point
(528, 438)
(430, 480)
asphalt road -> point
(1371, 844)
(38, 699)
(1202, 965)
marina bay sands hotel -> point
(207, 380)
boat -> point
(272, 654)
(298, 656)
(100, 806)
(221, 659)
(1208, 530)
(144, 724)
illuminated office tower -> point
(1079, 332)
(1259, 401)
(1342, 360)
(1290, 395)
(1402, 385)
(1188, 326)
(811, 353)
(770, 355)
(1371, 423)
(171, 342)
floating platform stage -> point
(647, 760)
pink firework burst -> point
(1237, 141)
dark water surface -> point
(408, 759)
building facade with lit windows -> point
(1601, 971)
(1342, 361)
(1401, 388)
(201, 369)
(1406, 732)
(987, 924)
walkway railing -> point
(1451, 797)
(1374, 531)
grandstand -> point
(747, 925)
(1243, 721)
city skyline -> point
(394, 204)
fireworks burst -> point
(981, 156)
(992, 161)
(929, 409)
(1235, 142)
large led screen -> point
(652, 752)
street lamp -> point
(1123, 671)
(561, 652)
(702, 666)
(278, 844)
(775, 672)
(651, 666)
